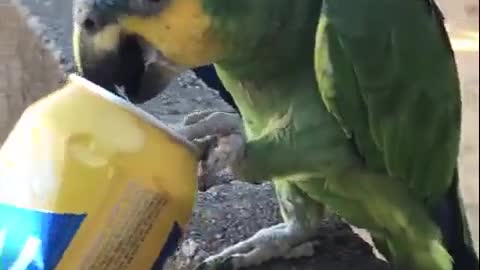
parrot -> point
(350, 107)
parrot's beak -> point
(117, 61)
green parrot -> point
(348, 106)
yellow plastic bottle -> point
(88, 181)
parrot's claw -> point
(219, 135)
(202, 124)
(228, 152)
(284, 241)
(195, 117)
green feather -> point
(388, 74)
(386, 71)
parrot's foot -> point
(225, 152)
(287, 241)
(199, 125)
(197, 116)
(219, 135)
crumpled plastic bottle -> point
(89, 181)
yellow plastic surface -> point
(81, 150)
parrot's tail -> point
(451, 218)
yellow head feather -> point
(182, 32)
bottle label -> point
(34, 240)
(131, 219)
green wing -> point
(386, 70)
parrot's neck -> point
(258, 31)
(269, 48)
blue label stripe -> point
(169, 248)
(34, 240)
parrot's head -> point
(141, 45)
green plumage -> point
(387, 74)
(391, 79)
(386, 71)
